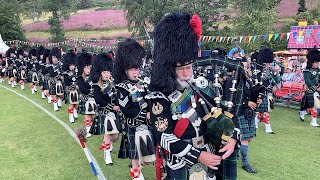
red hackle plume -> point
(196, 25)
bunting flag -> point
(224, 39)
(213, 38)
(245, 38)
(254, 39)
(295, 34)
(288, 35)
(275, 36)
(308, 32)
(221, 38)
(269, 37)
(232, 39)
(281, 36)
(265, 37)
(228, 39)
(250, 38)
(300, 33)
(240, 39)
(217, 38)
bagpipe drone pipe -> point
(223, 76)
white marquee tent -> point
(3, 46)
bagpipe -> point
(222, 75)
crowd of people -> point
(189, 111)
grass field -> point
(98, 34)
(35, 146)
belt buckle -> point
(198, 142)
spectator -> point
(288, 75)
(276, 75)
(298, 76)
(303, 62)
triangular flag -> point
(250, 38)
(202, 38)
(209, 39)
(281, 36)
(212, 39)
(265, 37)
(233, 38)
(269, 37)
(217, 38)
(295, 34)
(224, 39)
(308, 32)
(240, 39)
(221, 38)
(228, 39)
(254, 39)
(300, 33)
(275, 36)
(288, 35)
(245, 38)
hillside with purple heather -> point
(93, 20)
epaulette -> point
(156, 95)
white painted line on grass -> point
(100, 174)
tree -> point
(60, 10)
(302, 7)
(254, 17)
(83, 4)
(10, 23)
(147, 13)
(33, 9)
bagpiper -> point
(137, 143)
(310, 101)
(182, 108)
(32, 66)
(21, 64)
(55, 80)
(2, 68)
(264, 74)
(11, 66)
(104, 95)
(44, 75)
(87, 105)
(70, 74)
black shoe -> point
(271, 132)
(249, 169)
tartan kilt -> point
(52, 88)
(227, 169)
(97, 127)
(263, 107)
(128, 147)
(44, 84)
(247, 128)
(41, 79)
(66, 94)
(81, 108)
(29, 76)
(10, 73)
(307, 100)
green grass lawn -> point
(97, 34)
(35, 146)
